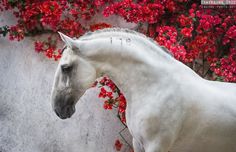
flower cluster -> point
(48, 48)
(184, 27)
(225, 68)
(230, 35)
(113, 97)
(167, 36)
(16, 32)
(136, 12)
(51, 13)
(71, 27)
(49, 16)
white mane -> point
(97, 33)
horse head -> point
(117, 53)
(74, 75)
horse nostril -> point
(57, 113)
(69, 110)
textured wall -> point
(27, 122)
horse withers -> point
(169, 107)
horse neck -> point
(133, 65)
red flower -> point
(185, 21)
(49, 52)
(107, 105)
(57, 56)
(230, 35)
(118, 145)
(187, 32)
(119, 101)
(122, 103)
(17, 32)
(52, 12)
(38, 46)
(103, 93)
(71, 27)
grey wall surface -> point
(27, 122)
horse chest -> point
(146, 122)
(137, 122)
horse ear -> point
(68, 41)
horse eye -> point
(66, 68)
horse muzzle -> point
(63, 103)
(65, 112)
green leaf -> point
(4, 30)
(219, 79)
(11, 1)
(52, 8)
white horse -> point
(169, 107)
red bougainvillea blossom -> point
(112, 97)
(51, 13)
(16, 32)
(167, 36)
(49, 16)
(187, 32)
(226, 67)
(118, 145)
(136, 12)
(48, 48)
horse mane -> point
(125, 30)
